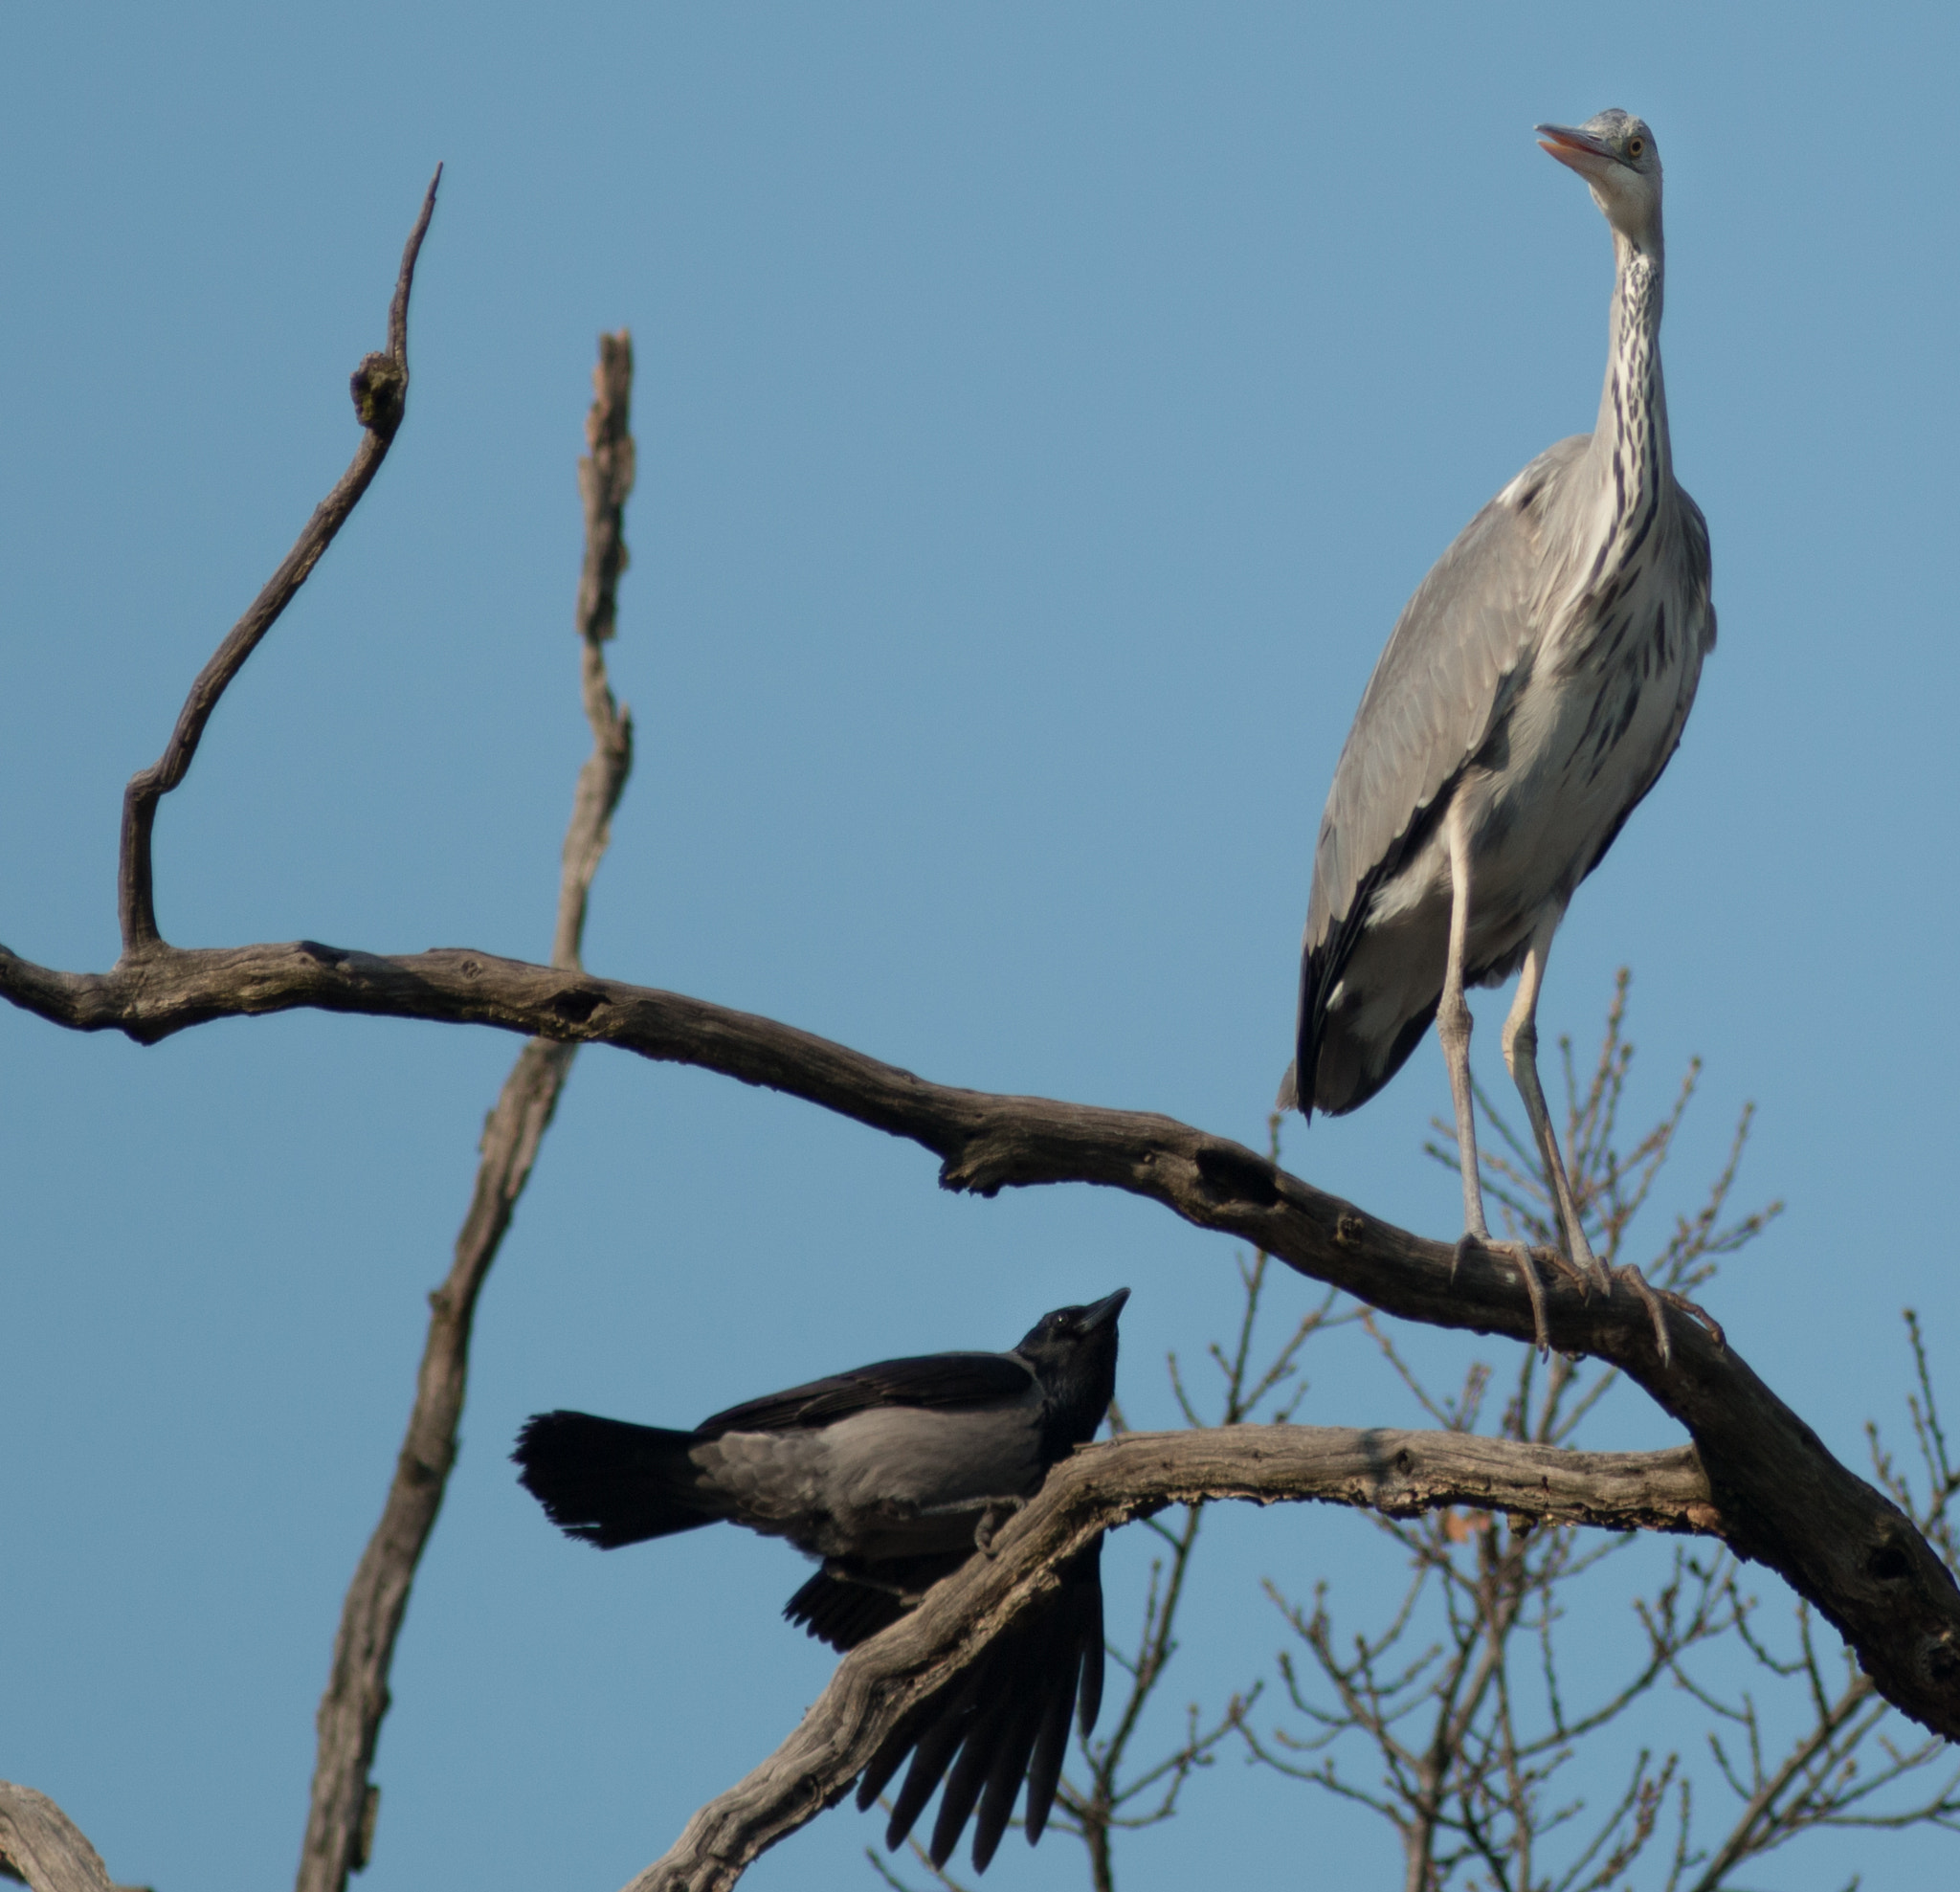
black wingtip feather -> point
(842, 1612)
(1006, 1719)
(930, 1759)
(1010, 1765)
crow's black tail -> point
(611, 1482)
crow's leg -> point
(993, 1513)
(996, 1514)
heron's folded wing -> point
(1438, 688)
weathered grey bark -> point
(345, 1803)
(41, 1846)
(1397, 1472)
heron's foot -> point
(1523, 1254)
(1594, 1277)
(1527, 1259)
(991, 1520)
(1468, 1241)
(1656, 1312)
(1657, 1301)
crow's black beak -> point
(1103, 1313)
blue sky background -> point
(1043, 413)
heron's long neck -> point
(1631, 439)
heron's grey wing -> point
(929, 1379)
(1701, 567)
(1459, 654)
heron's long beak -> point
(1578, 149)
(1102, 1313)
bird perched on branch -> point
(1529, 696)
(895, 1475)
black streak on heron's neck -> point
(1631, 439)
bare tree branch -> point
(381, 392)
(1838, 1543)
(339, 1826)
(41, 1846)
(1400, 1473)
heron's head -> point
(1617, 155)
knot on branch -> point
(575, 1004)
(1940, 1660)
(380, 387)
(1230, 1174)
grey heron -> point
(1529, 696)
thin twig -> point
(381, 392)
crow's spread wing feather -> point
(845, 1603)
(1006, 1718)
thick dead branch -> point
(1103, 1486)
(340, 1825)
(381, 391)
(1789, 1502)
(41, 1846)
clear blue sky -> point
(1043, 413)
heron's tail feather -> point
(611, 1482)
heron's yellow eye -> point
(1634, 147)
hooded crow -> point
(893, 1474)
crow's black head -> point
(1073, 1352)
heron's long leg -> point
(1452, 1028)
(1521, 1056)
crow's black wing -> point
(847, 1603)
(930, 1379)
(1005, 1718)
